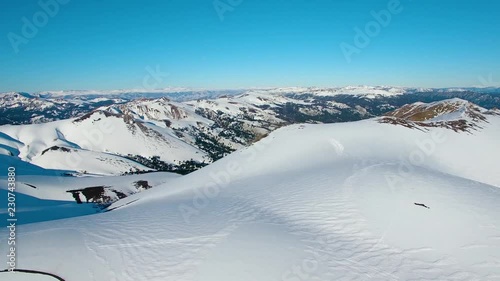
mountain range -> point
(387, 190)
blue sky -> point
(109, 44)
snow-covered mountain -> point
(178, 94)
(456, 114)
(361, 91)
(439, 111)
(161, 134)
(366, 200)
(96, 143)
(173, 93)
(24, 108)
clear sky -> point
(110, 44)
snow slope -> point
(309, 202)
(95, 143)
(45, 197)
(22, 276)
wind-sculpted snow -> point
(308, 202)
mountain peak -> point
(456, 114)
(446, 110)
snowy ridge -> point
(455, 114)
(23, 108)
(364, 91)
(200, 130)
(447, 110)
(177, 93)
(360, 90)
(96, 143)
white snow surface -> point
(92, 142)
(364, 91)
(44, 196)
(309, 202)
(21, 276)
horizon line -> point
(198, 89)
